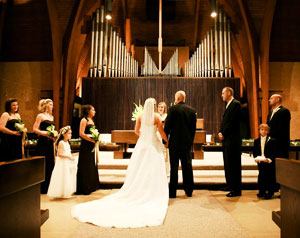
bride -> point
(143, 199)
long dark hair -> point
(85, 109)
(8, 104)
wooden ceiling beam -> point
(73, 53)
(57, 36)
(252, 86)
(264, 47)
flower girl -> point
(63, 179)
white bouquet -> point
(20, 126)
(137, 111)
(95, 133)
(51, 131)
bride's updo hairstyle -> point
(43, 103)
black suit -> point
(280, 131)
(180, 127)
(266, 177)
(230, 129)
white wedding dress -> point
(143, 199)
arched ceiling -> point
(26, 33)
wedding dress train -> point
(143, 199)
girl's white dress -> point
(63, 179)
(143, 199)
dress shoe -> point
(189, 195)
(172, 196)
(268, 196)
(233, 194)
(260, 194)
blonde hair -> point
(43, 103)
(265, 126)
(164, 105)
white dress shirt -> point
(227, 105)
(262, 145)
(274, 111)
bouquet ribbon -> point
(96, 150)
(23, 143)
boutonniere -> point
(269, 138)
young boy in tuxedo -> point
(264, 155)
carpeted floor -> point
(199, 216)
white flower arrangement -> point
(51, 131)
(95, 133)
(138, 110)
(20, 126)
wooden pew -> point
(20, 197)
(126, 137)
(288, 218)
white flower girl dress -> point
(63, 178)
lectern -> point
(288, 218)
(20, 214)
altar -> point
(126, 137)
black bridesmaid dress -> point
(45, 148)
(11, 145)
(87, 173)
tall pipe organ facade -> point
(212, 58)
(109, 57)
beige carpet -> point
(199, 216)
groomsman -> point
(180, 127)
(279, 121)
(230, 136)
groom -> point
(180, 127)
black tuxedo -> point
(230, 129)
(266, 177)
(280, 131)
(180, 127)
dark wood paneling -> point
(113, 98)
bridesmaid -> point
(87, 174)
(11, 139)
(45, 141)
(162, 110)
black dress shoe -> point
(233, 194)
(268, 196)
(260, 194)
(189, 195)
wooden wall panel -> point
(113, 98)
